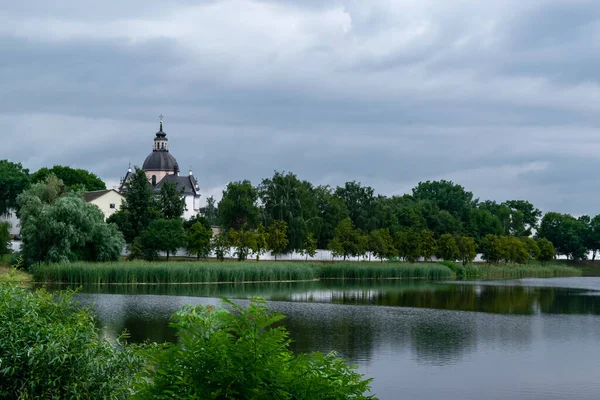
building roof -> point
(160, 160)
(188, 183)
(93, 195)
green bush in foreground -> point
(50, 349)
(242, 355)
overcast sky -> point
(500, 96)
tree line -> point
(284, 214)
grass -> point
(142, 272)
(9, 273)
(508, 271)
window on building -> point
(153, 180)
(113, 205)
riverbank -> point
(8, 272)
(141, 272)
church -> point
(160, 167)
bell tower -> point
(161, 143)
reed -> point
(515, 271)
(355, 270)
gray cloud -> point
(500, 96)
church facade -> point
(160, 167)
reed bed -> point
(515, 271)
(390, 270)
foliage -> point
(171, 201)
(61, 227)
(547, 251)
(286, 198)
(331, 211)
(467, 249)
(381, 244)
(51, 348)
(261, 242)
(309, 248)
(447, 249)
(4, 238)
(73, 178)
(347, 240)
(138, 209)
(532, 248)
(428, 244)
(447, 196)
(198, 240)
(277, 237)
(566, 233)
(188, 223)
(244, 354)
(14, 179)
(211, 212)
(165, 235)
(220, 245)
(243, 241)
(360, 203)
(408, 244)
(237, 208)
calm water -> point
(521, 339)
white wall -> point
(103, 203)
(15, 224)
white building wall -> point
(15, 224)
(104, 203)
(191, 205)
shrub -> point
(242, 355)
(52, 349)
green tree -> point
(199, 240)
(428, 244)
(447, 196)
(347, 240)
(138, 209)
(447, 249)
(547, 251)
(166, 235)
(277, 237)
(309, 249)
(408, 245)
(4, 238)
(243, 241)
(490, 249)
(188, 223)
(567, 234)
(220, 245)
(244, 354)
(524, 217)
(594, 237)
(360, 201)
(61, 227)
(72, 178)
(467, 248)
(532, 248)
(238, 208)
(211, 211)
(14, 179)
(171, 201)
(286, 198)
(332, 210)
(381, 244)
(261, 242)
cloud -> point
(500, 96)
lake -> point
(516, 339)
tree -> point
(347, 240)
(261, 242)
(72, 178)
(220, 245)
(428, 244)
(171, 201)
(211, 212)
(547, 251)
(61, 227)
(332, 210)
(490, 249)
(166, 235)
(408, 245)
(4, 238)
(524, 217)
(467, 248)
(199, 239)
(360, 202)
(188, 223)
(277, 237)
(14, 179)
(310, 246)
(532, 248)
(594, 237)
(447, 249)
(446, 196)
(286, 198)
(381, 244)
(243, 241)
(238, 208)
(567, 234)
(138, 209)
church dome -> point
(160, 161)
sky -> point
(500, 96)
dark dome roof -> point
(160, 161)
